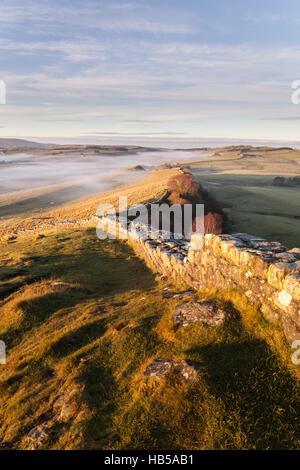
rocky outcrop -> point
(267, 272)
(205, 312)
(64, 412)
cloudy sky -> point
(132, 71)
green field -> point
(243, 187)
(267, 211)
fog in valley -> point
(65, 177)
(96, 172)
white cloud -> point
(136, 133)
(102, 15)
(84, 66)
(72, 50)
(124, 6)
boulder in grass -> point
(204, 311)
(160, 367)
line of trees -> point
(282, 181)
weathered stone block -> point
(272, 247)
(251, 260)
(296, 251)
(284, 298)
(292, 286)
(279, 271)
(291, 329)
(234, 254)
(270, 313)
(197, 242)
(285, 257)
(245, 237)
(227, 245)
(208, 240)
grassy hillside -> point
(16, 209)
(242, 184)
(267, 211)
(82, 318)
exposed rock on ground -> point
(160, 367)
(65, 405)
(64, 411)
(38, 436)
(168, 295)
(205, 312)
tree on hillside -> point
(213, 223)
(296, 180)
(176, 198)
(185, 185)
(279, 181)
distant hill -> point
(19, 143)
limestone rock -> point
(292, 286)
(65, 405)
(227, 246)
(160, 367)
(205, 312)
(272, 247)
(295, 251)
(284, 298)
(197, 241)
(270, 313)
(189, 370)
(38, 436)
(291, 329)
(245, 237)
(285, 257)
(168, 295)
(278, 271)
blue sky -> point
(131, 71)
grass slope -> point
(16, 209)
(269, 212)
(254, 206)
(242, 181)
(82, 318)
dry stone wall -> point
(267, 272)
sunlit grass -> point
(86, 317)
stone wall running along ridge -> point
(267, 272)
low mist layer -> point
(33, 181)
(27, 171)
